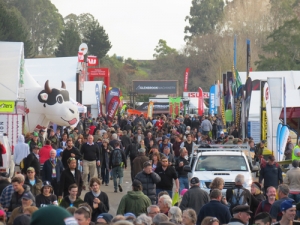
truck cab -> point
(225, 161)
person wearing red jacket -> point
(44, 154)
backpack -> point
(116, 157)
(22, 163)
(238, 197)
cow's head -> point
(57, 105)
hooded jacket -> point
(135, 202)
(149, 182)
(21, 150)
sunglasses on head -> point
(214, 219)
(85, 209)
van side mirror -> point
(254, 169)
(187, 168)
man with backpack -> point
(238, 195)
(116, 164)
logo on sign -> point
(80, 57)
(267, 94)
(92, 61)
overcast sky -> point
(135, 26)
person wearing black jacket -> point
(179, 164)
(105, 151)
(132, 152)
(48, 171)
(70, 151)
(3, 182)
(46, 197)
(32, 160)
(116, 162)
(91, 158)
(97, 199)
(68, 177)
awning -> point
(292, 117)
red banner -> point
(92, 60)
(186, 79)
(80, 57)
(200, 102)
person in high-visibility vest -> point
(296, 152)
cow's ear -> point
(44, 96)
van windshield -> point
(221, 163)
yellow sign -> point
(6, 106)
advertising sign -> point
(186, 79)
(195, 95)
(200, 102)
(97, 93)
(150, 109)
(263, 114)
(155, 86)
(92, 60)
(212, 107)
(11, 124)
(80, 57)
(7, 106)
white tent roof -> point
(11, 56)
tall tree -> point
(97, 40)
(13, 28)
(204, 16)
(283, 50)
(162, 49)
(69, 41)
(44, 22)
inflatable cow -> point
(49, 104)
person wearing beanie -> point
(137, 163)
(104, 218)
(46, 197)
(23, 219)
(256, 197)
(52, 215)
(288, 210)
(134, 201)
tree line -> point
(272, 26)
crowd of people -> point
(53, 168)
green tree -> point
(13, 28)
(283, 50)
(204, 16)
(69, 41)
(162, 49)
(44, 22)
(97, 40)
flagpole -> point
(234, 52)
(284, 101)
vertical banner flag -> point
(248, 87)
(224, 84)
(248, 58)
(238, 107)
(112, 102)
(80, 57)
(284, 101)
(186, 79)
(217, 95)
(263, 113)
(150, 109)
(200, 102)
(171, 108)
(97, 93)
(212, 106)
(267, 100)
(279, 126)
(284, 134)
(174, 107)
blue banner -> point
(97, 93)
(212, 106)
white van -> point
(8, 163)
(225, 161)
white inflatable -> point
(49, 104)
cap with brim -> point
(36, 147)
(241, 208)
(287, 204)
(35, 134)
(129, 214)
(26, 195)
(195, 180)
